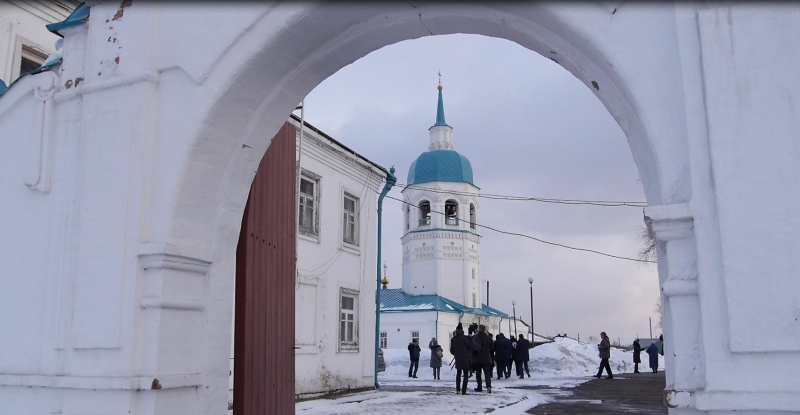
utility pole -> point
(514, 310)
(533, 334)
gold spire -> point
(440, 80)
(384, 281)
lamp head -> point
(530, 280)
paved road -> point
(641, 393)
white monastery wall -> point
(124, 262)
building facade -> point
(336, 266)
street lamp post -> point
(514, 310)
(533, 334)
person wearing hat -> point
(605, 353)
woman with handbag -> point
(436, 357)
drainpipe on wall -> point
(390, 181)
(436, 327)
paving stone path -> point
(641, 393)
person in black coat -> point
(502, 352)
(523, 356)
(637, 358)
(485, 361)
(461, 349)
(413, 355)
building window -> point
(451, 212)
(348, 320)
(408, 217)
(350, 220)
(31, 58)
(308, 218)
(472, 216)
(384, 340)
(415, 336)
(424, 213)
(473, 273)
(474, 300)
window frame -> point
(415, 335)
(355, 217)
(473, 217)
(451, 212)
(351, 344)
(25, 48)
(383, 340)
(424, 213)
(315, 180)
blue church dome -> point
(440, 166)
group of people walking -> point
(478, 352)
(654, 349)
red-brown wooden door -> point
(265, 277)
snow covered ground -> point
(564, 363)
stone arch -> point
(251, 100)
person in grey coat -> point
(461, 349)
(436, 357)
(605, 353)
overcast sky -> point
(529, 128)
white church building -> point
(442, 284)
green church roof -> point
(394, 300)
(440, 166)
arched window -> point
(451, 212)
(424, 213)
(408, 216)
(472, 218)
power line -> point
(605, 203)
(537, 239)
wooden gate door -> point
(265, 277)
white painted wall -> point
(118, 258)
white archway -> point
(259, 94)
(161, 113)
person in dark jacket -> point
(502, 352)
(413, 354)
(523, 356)
(637, 351)
(605, 353)
(652, 350)
(471, 330)
(436, 357)
(485, 361)
(461, 349)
